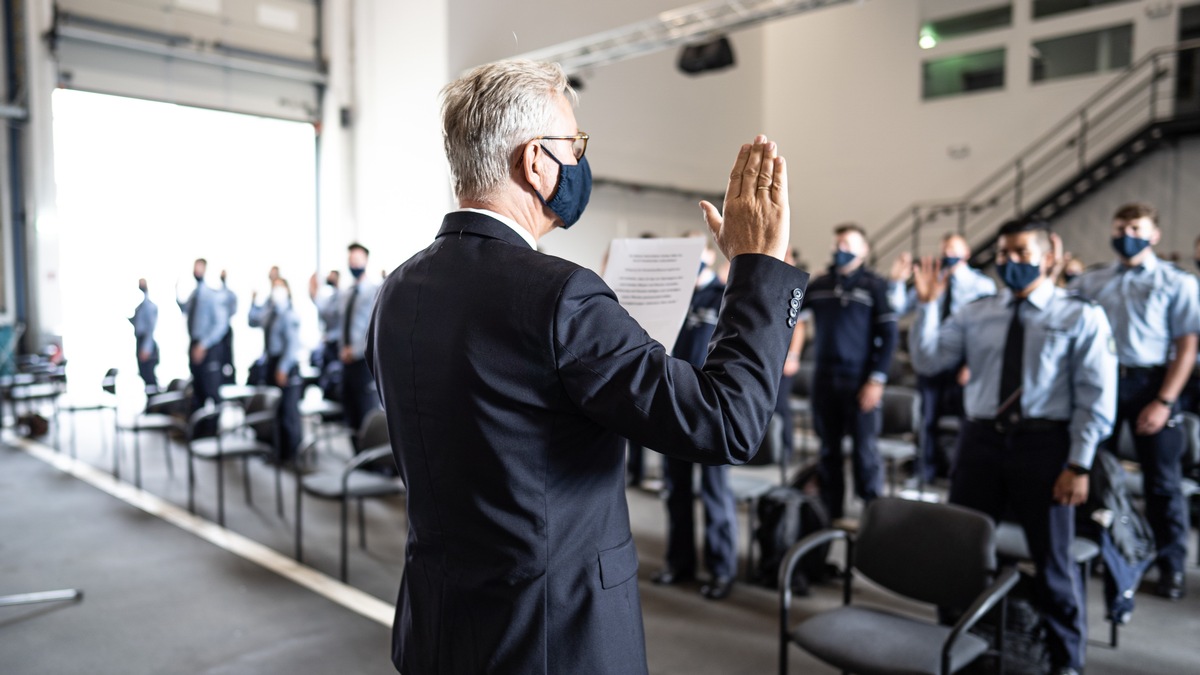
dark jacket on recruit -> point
(509, 378)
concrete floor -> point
(160, 600)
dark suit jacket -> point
(509, 378)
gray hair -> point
(490, 112)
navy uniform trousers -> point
(1013, 474)
(720, 521)
(288, 429)
(206, 382)
(941, 396)
(836, 414)
(1161, 458)
(358, 397)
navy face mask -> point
(1017, 275)
(842, 258)
(357, 271)
(572, 192)
(1128, 247)
(950, 261)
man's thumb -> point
(713, 217)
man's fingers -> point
(735, 176)
(713, 218)
(752, 168)
(779, 182)
(766, 169)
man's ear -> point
(529, 168)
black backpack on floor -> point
(785, 516)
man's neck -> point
(525, 213)
(1138, 259)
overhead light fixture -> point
(928, 39)
(716, 54)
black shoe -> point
(670, 577)
(717, 589)
(1170, 586)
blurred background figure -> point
(145, 320)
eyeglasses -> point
(578, 142)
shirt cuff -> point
(1081, 454)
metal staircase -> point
(1155, 100)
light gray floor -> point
(159, 600)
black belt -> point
(1022, 425)
(1126, 371)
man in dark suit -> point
(509, 378)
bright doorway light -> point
(145, 188)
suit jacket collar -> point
(480, 225)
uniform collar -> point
(1040, 297)
(1148, 265)
(523, 234)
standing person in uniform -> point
(257, 316)
(720, 515)
(1155, 315)
(1040, 399)
(326, 357)
(506, 411)
(206, 325)
(281, 332)
(855, 336)
(145, 320)
(355, 305)
(229, 298)
(941, 393)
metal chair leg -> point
(279, 489)
(191, 481)
(246, 479)
(345, 537)
(299, 529)
(167, 451)
(362, 526)
(220, 490)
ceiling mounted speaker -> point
(700, 58)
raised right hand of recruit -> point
(757, 215)
(928, 279)
(902, 267)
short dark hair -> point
(849, 227)
(366, 251)
(202, 261)
(1035, 225)
(1136, 210)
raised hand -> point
(757, 215)
(928, 279)
(902, 267)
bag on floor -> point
(785, 516)
(1026, 645)
(34, 425)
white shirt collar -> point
(509, 222)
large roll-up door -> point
(251, 56)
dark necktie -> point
(192, 309)
(270, 324)
(947, 298)
(349, 317)
(1010, 374)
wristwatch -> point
(1164, 401)
(1077, 470)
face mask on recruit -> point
(842, 258)
(572, 192)
(1127, 246)
(357, 272)
(949, 261)
(1017, 275)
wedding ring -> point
(764, 187)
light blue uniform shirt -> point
(328, 310)
(1149, 306)
(967, 285)
(1069, 371)
(145, 320)
(230, 300)
(210, 322)
(360, 321)
(282, 327)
